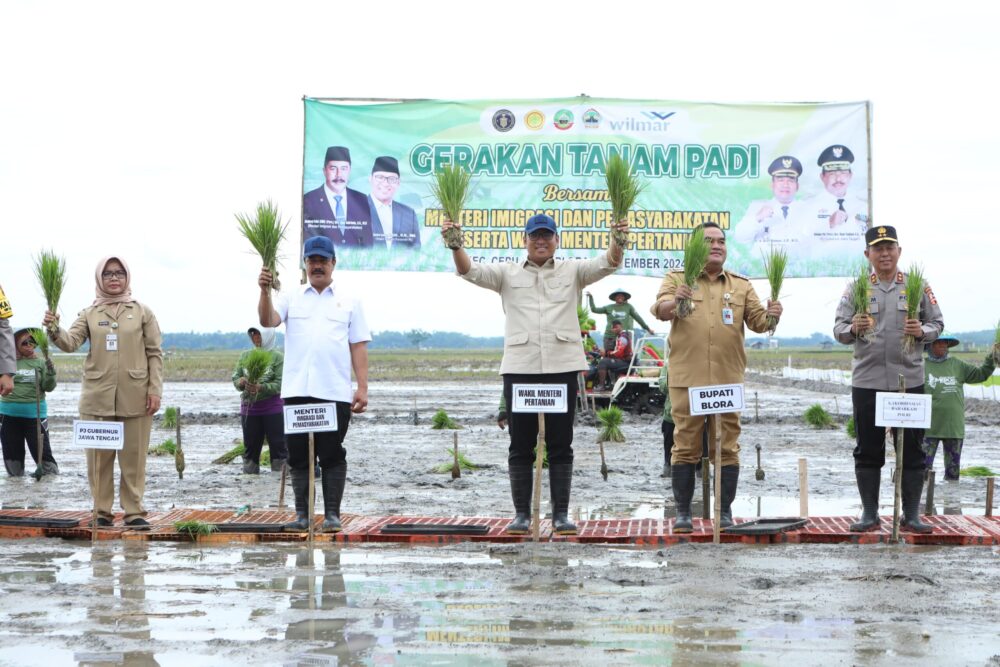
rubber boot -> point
(250, 467)
(334, 480)
(521, 481)
(276, 464)
(50, 468)
(300, 486)
(913, 484)
(560, 484)
(14, 467)
(730, 480)
(666, 462)
(682, 483)
(868, 484)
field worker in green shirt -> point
(944, 378)
(19, 409)
(620, 310)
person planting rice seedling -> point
(707, 348)
(546, 289)
(879, 361)
(257, 376)
(318, 371)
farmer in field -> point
(617, 358)
(620, 310)
(945, 378)
(326, 337)
(540, 296)
(261, 408)
(706, 348)
(22, 407)
(879, 360)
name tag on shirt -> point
(111, 342)
(727, 315)
(539, 398)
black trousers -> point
(524, 425)
(255, 427)
(16, 431)
(870, 449)
(329, 445)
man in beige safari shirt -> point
(541, 346)
(706, 348)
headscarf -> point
(267, 336)
(103, 298)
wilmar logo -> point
(647, 121)
(503, 120)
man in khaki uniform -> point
(122, 381)
(706, 348)
(541, 346)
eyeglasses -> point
(28, 342)
(541, 234)
(391, 180)
(113, 274)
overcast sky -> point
(139, 129)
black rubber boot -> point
(334, 480)
(682, 482)
(521, 480)
(276, 464)
(50, 468)
(560, 484)
(868, 484)
(300, 486)
(250, 467)
(913, 485)
(730, 480)
(14, 467)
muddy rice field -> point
(67, 602)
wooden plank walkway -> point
(948, 530)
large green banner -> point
(781, 175)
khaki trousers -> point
(131, 460)
(688, 432)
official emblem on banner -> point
(534, 120)
(563, 120)
(591, 119)
(503, 120)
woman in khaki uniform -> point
(122, 381)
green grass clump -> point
(451, 187)
(463, 462)
(977, 471)
(441, 421)
(238, 451)
(914, 286)
(695, 258)
(265, 233)
(817, 417)
(195, 528)
(611, 421)
(170, 417)
(50, 269)
(860, 291)
(624, 188)
(256, 364)
(775, 264)
(850, 428)
(166, 448)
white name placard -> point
(539, 398)
(902, 410)
(310, 417)
(98, 435)
(716, 399)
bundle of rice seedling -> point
(265, 233)
(996, 345)
(914, 286)
(624, 188)
(976, 471)
(463, 462)
(441, 420)
(860, 290)
(238, 451)
(775, 263)
(42, 341)
(817, 417)
(695, 257)
(166, 448)
(850, 428)
(611, 421)
(194, 528)
(451, 188)
(256, 364)
(50, 269)
(170, 417)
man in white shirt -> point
(326, 336)
(776, 220)
(394, 225)
(835, 221)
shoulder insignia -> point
(930, 294)
(873, 278)
(738, 275)
(899, 277)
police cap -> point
(786, 165)
(836, 158)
